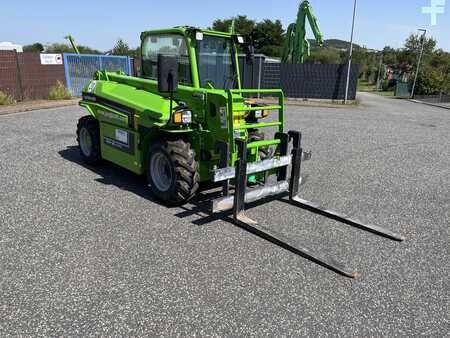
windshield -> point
(215, 62)
(166, 44)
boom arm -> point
(72, 42)
(296, 46)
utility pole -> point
(418, 64)
(379, 72)
(350, 55)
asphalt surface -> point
(87, 251)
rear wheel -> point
(88, 137)
(172, 171)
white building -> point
(10, 46)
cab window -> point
(166, 44)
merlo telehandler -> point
(186, 120)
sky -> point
(99, 23)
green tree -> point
(434, 75)
(137, 52)
(325, 56)
(64, 48)
(409, 55)
(87, 50)
(121, 48)
(243, 25)
(366, 60)
(36, 47)
(59, 48)
(431, 81)
(390, 56)
(267, 35)
(414, 44)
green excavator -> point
(296, 46)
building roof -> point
(10, 46)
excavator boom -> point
(296, 46)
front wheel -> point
(172, 171)
(88, 137)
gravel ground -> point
(88, 252)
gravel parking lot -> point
(87, 251)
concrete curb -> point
(36, 105)
(430, 104)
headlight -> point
(182, 117)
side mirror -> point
(250, 54)
(167, 73)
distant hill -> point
(332, 43)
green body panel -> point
(131, 109)
(122, 153)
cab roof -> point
(184, 30)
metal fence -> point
(311, 81)
(251, 73)
(80, 68)
(272, 75)
(441, 98)
(316, 81)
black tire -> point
(179, 181)
(89, 125)
(256, 135)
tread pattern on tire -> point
(185, 166)
(92, 125)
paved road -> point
(87, 252)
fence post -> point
(66, 73)
(19, 75)
(130, 73)
(259, 76)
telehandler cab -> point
(186, 120)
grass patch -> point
(59, 92)
(386, 94)
(365, 86)
(6, 99)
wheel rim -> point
(85, 142)
(161, 172)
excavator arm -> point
(296, 46)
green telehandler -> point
(186, 120)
